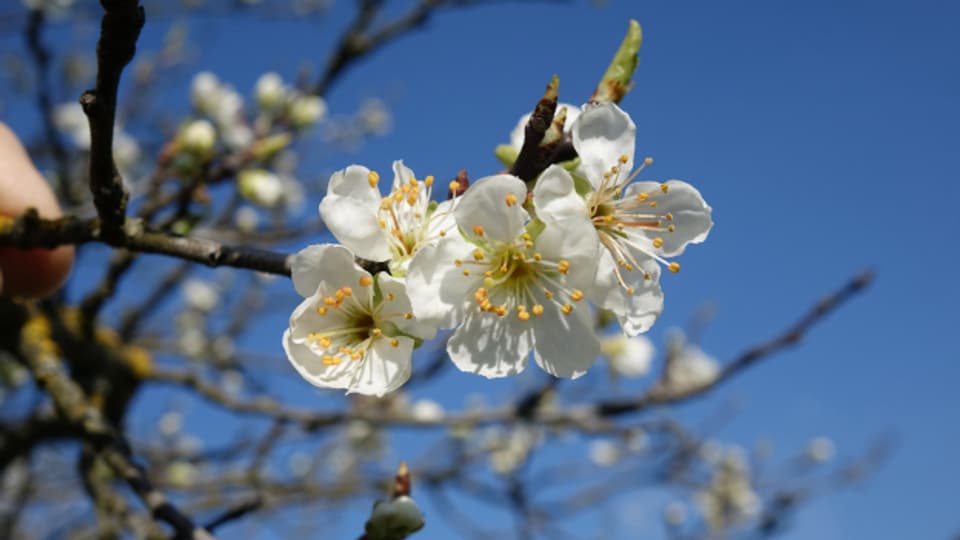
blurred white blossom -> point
(200, 295)
(426, 410)
(260, 187)
(394, 520)
(820, 449)
(628, 356)
(604, 452)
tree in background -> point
(142, 401)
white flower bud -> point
(246, 219)
(604, 453)
(393, 520)
(198, 138)
(629, 357)
(305, 111)
(260, 187)
(426, 410)
(171, 423)
(269, 91)
(200, 295)
(821, 449)
(204, 91)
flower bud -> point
(305, 111)
(393, 520)
(260, 187)
(269, 91)
(197, 138)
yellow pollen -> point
(382, 223)
(365, 281)
(408, 315)
(526, 236)
(648, 161)
(664, 188)
(624, 159)
(330, 301)
(576, 295)
(394, 342)
(356, 355)
(398, 196)
(466, 271)
(653, 204)
(642, 197)
(646, 275)
(324, 342)
(330, 360)
(608, 219)
(537, 310)
(412, 200)
(347, 291)
(658, 242)
(669, 216)
(488, 273)
(322, 310)
(566, 309)
(478, 254)
(458, 263)
(413, 181)
(454, 186)
(537, 257)
(478, 230)
(563, 266)
(489, 282)
(528, 244)
(443, 233)
(373, 179)
(671, 227)
(548, 294)
(390, 296)
(674, 267)
(510, 199)
(523, 316)
(428, 181)
(628, 267)
(629, 290)
(376, 332)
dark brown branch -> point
(532, 160)
(119, 30)
(29, 231)
(661, 394)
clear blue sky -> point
(825, 136)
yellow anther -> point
(376, 332)
(458, 263)
(646, 275)
(563, 266)
(365, 281)
(528, 244)
(537, 257)
(322, 310)
(658, 242)
(373, 178)
(642, 197)
(664, 188)
(347, 291)
(330, 301)
(576, 295)
(624, 159)
(324, 342)
(537, 310)
(466, 271)
(478, 254)
(413, 181)
(398, 196)
(511, 199)
(443, 233)
(408, 315)
(489, 282)
(390, 297)
(608, 219)
(454, 186)
(648, 161)
(628, 267)
(412, 200)
(629, 290)
(669, 216)
(428, 181)
(394, 342)
(382, 223)
(526, 236)
(566, 309)
(356, 355)
(615, 169)
(671, 228)
(523, 316)
(653, 204)
(329, 360)
(548, 294)
(503, 268)
(674, 267)
(501, 311)
(478, 230)
(488, 273)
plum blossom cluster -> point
(512, 271)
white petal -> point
(437, 288)
(399, 306)
(350, 212)
(565, 345)
(601, 135)
(384, 368)
(310, 366)
(485, 205)
(322, 262)
(691, 215)
(576, 242)
(401, 174)
(555, 198)
(633, 357)
(354, 183)
(489, 345)
(638, 311)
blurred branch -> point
(119, 30)
(660, 394)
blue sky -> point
(825, 136)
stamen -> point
(674, 267)
(511, 199)
(478, 230)
(658, 243)
(365, 281)
(373, 178)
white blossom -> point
(628, 356)
(393, 520)
(604, 452)
(689, 367)
(260, 187)
(390, 228)
(305, 111)
(270, 91)
(426, 410)
(637, 224)
(509, 291)
(352, 331)
(197, 137)
(820, 449)
(729, 498)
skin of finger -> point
(36, 272)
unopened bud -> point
(306, 110)
(260, 187)
(269, 91)
(394, 520)
(197, 138)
